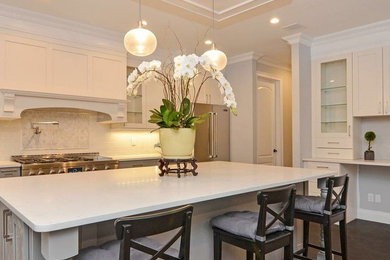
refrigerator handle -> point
(215, 135)
(211, 135)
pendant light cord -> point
(139, 12)
(213, 24)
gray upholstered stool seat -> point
(110, 251)
(244, 223)
(311, 204)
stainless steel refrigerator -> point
(212, 141)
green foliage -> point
(168, 117)
(370, 136)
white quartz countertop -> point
(55, 202)
(136, 157)
(9, 164)
(385, 163)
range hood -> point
(14, 102)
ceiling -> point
(243, 32)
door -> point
(367, 83)
(266, 143)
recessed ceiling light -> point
(144, 23)
(274, 20)
(208, 42)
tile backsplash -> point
(77, 132)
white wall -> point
(242, 77)
(102, 139)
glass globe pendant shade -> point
(217, 57)
(140, 42)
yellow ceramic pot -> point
(177, 143)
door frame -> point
(279, 161)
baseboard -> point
(373, 215)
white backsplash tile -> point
(78, 132)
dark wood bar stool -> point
(260, 232)
(326, 212)
(133, 244)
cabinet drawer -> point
(333, 143)
(323, 165)
(333, 153)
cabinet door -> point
(154, 95)
(367, 83)
(332, 102)
(24, 64)
(108, 74)
(69, 72)
(386, 80)
(20, 239)
(216, 98)
(6, 248)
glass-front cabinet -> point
(334, 112)
(332, 107)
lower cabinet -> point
(14, 236)
(339, 169)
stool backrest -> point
(285, 196)
(130, 228)
(334, 198)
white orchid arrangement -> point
(181, 88)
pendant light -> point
(217, 57)
(140, 41)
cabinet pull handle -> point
(333, 153)
(349, 130)
(6, 214)
(386, 105)
(333, 142)
(379, 107)
(322, 167)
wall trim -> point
(243, 57)
(273, 65)
(21, 20)
(299, 38)
(373, 215)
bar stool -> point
(133, 244)
(259, 232)
(326, 212)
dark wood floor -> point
(366, 240)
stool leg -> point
(249, 255)
(306, 226)
(289, 250)
(343, 238)
(328, 241)
(217, 247)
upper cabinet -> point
(39, 66)
(368, 83)
(386, 80)
(332, 107)
(210, 93)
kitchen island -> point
(50, 209)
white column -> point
(241, 73)
(301, 97)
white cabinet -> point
(368, 85)
(386, 80)
(45, 67)
(333, 124)
(210, 93)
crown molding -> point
(266, 62)
(369, 29)
(28, 22)
(220, 15)
(243, 57)
(299, 38)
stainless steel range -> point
(63, 163)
